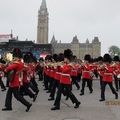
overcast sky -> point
(67, 18)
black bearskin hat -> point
(92, 60)
(41, 59)
(27, 58)
(68, 54)
(49, 58)
(87, 57)
(100, 58)
(107, 58)
(116, 58)
(55, 57)
(17, 53)
(74, 58)
(34, 59)
(61, 57)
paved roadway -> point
(90, 108)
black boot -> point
(50, 99)
(6, 109)
(102, 100)
(77, 104)
(28, 107)
(81, 93)
(116, 95)
(55, 108)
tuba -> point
(8, 57)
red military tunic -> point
(100, 69)
(86, 71)
(17, 66)
(74, 70)
(79, 69)
(108, 76)
(57, 73)
(1, 71)
(26, 73)
(116, 69)
(65, 75)
(33, 68)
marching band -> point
(58, 73)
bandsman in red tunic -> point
(74, 73)
(86, 76)
(65, 82)
(14, 85)
(100, 70)
(24, 89)
(116, 68)
(32, 72)
(57, 76)
(107, 77)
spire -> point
(53, 38)
(43, 5)
(87, 41)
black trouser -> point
(55, 85)
(40, 74)
(25, 90)
(103, 88)
(7, 82)
(89, 83)
(79, 77)
(101, 81)
(2, 84)
(74, 80)
(15, 91)
(46, 81)
(119, 82)
(33, 88)
(69, 93)
(116, 82)
(50, 84)
(34, 83)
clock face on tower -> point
(42, 11)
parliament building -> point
(79, 49)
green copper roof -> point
(43, 5)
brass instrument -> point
(113, 65)
(71, 64)
(60, 63)
(8, 57)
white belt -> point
(108, 73)
(87, 71)
(58, 73)
(74, 70)
(66, 75)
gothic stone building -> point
(79, 49)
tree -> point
(114, 50)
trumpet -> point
(100, 66)
(113, 65)
(60, 63)
(71, 64)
